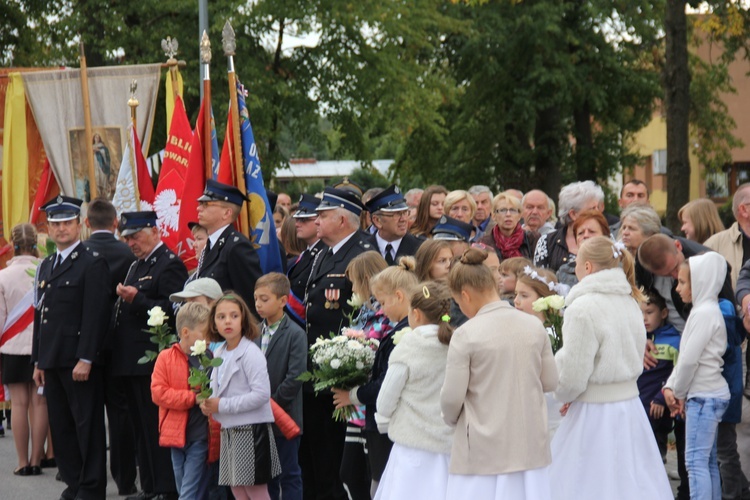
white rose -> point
(198, 348)
(540, 305)
(353, 344)
(156, 316)
(556, 302)
(360, 365)
(335, 364)
(356, 302)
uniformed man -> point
(390, 215)
(299, 271)
(328, 291)
(229, 257)
(101, 218)
(150, 281)
(70, 323)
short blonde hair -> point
(193, 315)
(509, 198)
(458, 195)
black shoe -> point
(23, 471)
(35, 470)
(58, 477)
(2, 432)
(48, 463)
(123, 492)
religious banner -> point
(57, 103)
(35, 157)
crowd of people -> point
(466, 397)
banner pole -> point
(93, 188)
(205, 50)
(228, 42)
(133, 104)
(170, 46)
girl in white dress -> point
(408, 404)
(604, 447)
(499, 366)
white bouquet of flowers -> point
(552, 307)
(342, 361)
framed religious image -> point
(108, 148)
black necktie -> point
(389, 254)
(58, 261)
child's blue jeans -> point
(702, 417)
(191, 469)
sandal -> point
(23, 471)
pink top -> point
(15, 282)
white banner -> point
(57, 103)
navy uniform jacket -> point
(72, 314)
(116, 254)
(234, 264)
(408, 247)
(299, 274)
(328, 273)
(156, 278)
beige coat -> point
(500, 364)
(729, 244)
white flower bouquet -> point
(341, 361)
(552, 307)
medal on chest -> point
(332, 298)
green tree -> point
(532, 76)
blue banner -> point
(263, 230)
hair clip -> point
(445, 318)
(425, 291)
(617, 249)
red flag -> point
(194, 183)
(226, 173)
(172, 177)
(145, 186)
(47, 188)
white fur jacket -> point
(603, 341)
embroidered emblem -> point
(74, 255)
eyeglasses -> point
(506, 211)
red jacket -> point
(172, 394)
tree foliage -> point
(510, 93)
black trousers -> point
(321, 449)
(76, 419)
(121, 434)
(154, 462)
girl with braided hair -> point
(408, 405)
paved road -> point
(42, 487)
(45, 487)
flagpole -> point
(229, 44)
(170, 46)
(206, 61)
(93, 188)
(133, 103)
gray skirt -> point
(248, 455)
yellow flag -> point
(15, 157)
(170, 96)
